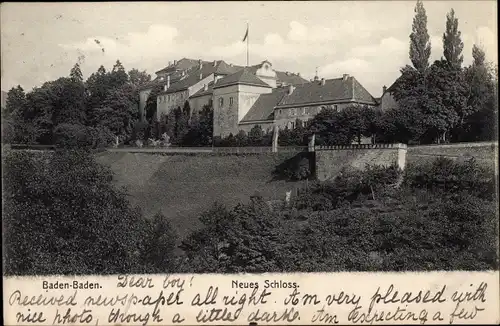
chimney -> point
(169, 63)
(290, 89)
(201, 76)
(298, 74)
(199, 63)
(384, 89)
(175, 62)
(344, 77)
(322, 82)
(168, 81)
(205, 87)
(215, 63)
(316, 78)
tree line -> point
(437, 102)
(72, 112)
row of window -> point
(304, 111)
(166, 98)
(221, 101)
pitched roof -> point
(182, 64)
(192, 77)
(202, 92)
(393, 86)
(243, 76)
(263, 108)
(224, 69)
(334, 90)
(290, 78)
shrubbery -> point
(62, 215)
(362, 220)
(74, 136)
(452, 176)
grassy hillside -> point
(182, 186)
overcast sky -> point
(367, 39)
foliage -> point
(420, 45)
(452, 42)
(76, 73)
(151, 103)
(71, 136)
(403, 229)
(452, 176)
(343, 127)
(64, 216)
(158, 251)
(138, 78)
(298, 167)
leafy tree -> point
(120, 111)
(331, 128)
(447, 100)
(420, 45)
(98, 87)
(16, 100)
(480, 122)
(118, 76)
(64, 216)
(158, 253)
(255, 135)
(151, 103)
(138, 78)
(241, 139)
(452, 42)
(76, 73)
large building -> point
(243, 97)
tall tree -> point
(480, 123)
(420, 45)
(151, 103)
(16, 99)
(118, 76)
(76, 73)
(139, 78)
(452, 42)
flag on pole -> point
(246, 35)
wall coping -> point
(361, 146)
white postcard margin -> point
(263, 299)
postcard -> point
(250, 163)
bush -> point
(349, 186)
(158, 254)
(74, 136)
(451, 176)
(405, 231)
(298, 167)
(62, 215)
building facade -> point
(243, 97)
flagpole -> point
(248, 34)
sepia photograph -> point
(249, 137)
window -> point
(231, 101)
(336, 108)
(279, 111)
(221, 101)
(304, 111)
